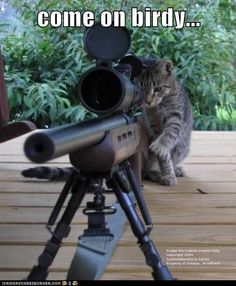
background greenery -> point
(43, 65)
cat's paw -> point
(157, 149)
(179, 171)
(168, 180)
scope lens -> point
(101, 90)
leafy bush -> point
(204, 59)
(42, 68)
(43, 65)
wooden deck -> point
(194, 222)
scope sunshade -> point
(107, 43)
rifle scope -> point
(104, 89)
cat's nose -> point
(148, 101)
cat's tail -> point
(49, 173)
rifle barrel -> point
(49, 144)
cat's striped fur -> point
(168, 114)
(49, 173)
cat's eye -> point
(157, 89)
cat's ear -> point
(169, 67)
(151, 63)
(163, 67)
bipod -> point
(96, 245)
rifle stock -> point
(118, 145)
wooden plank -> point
(61, 161)
(210, 160)
(20, 275)
(191, 200)
(46, 187)
(180, 275)
(19, 167)
(194, 215)
(32, 186)
(195, 172)
(189, 187)
(19, 215)
(215, 134)
(160, 215)
(20, 158)
(39, 200)
(25, 200)
(13, 257)
(123, 261)
(178, 235)
(11, 174)
(212, 150)
(164, 200)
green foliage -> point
(204, 58)
(43, 65)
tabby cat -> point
(168, 115)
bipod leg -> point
(97, 244)
(78, 187)
(153, 259)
